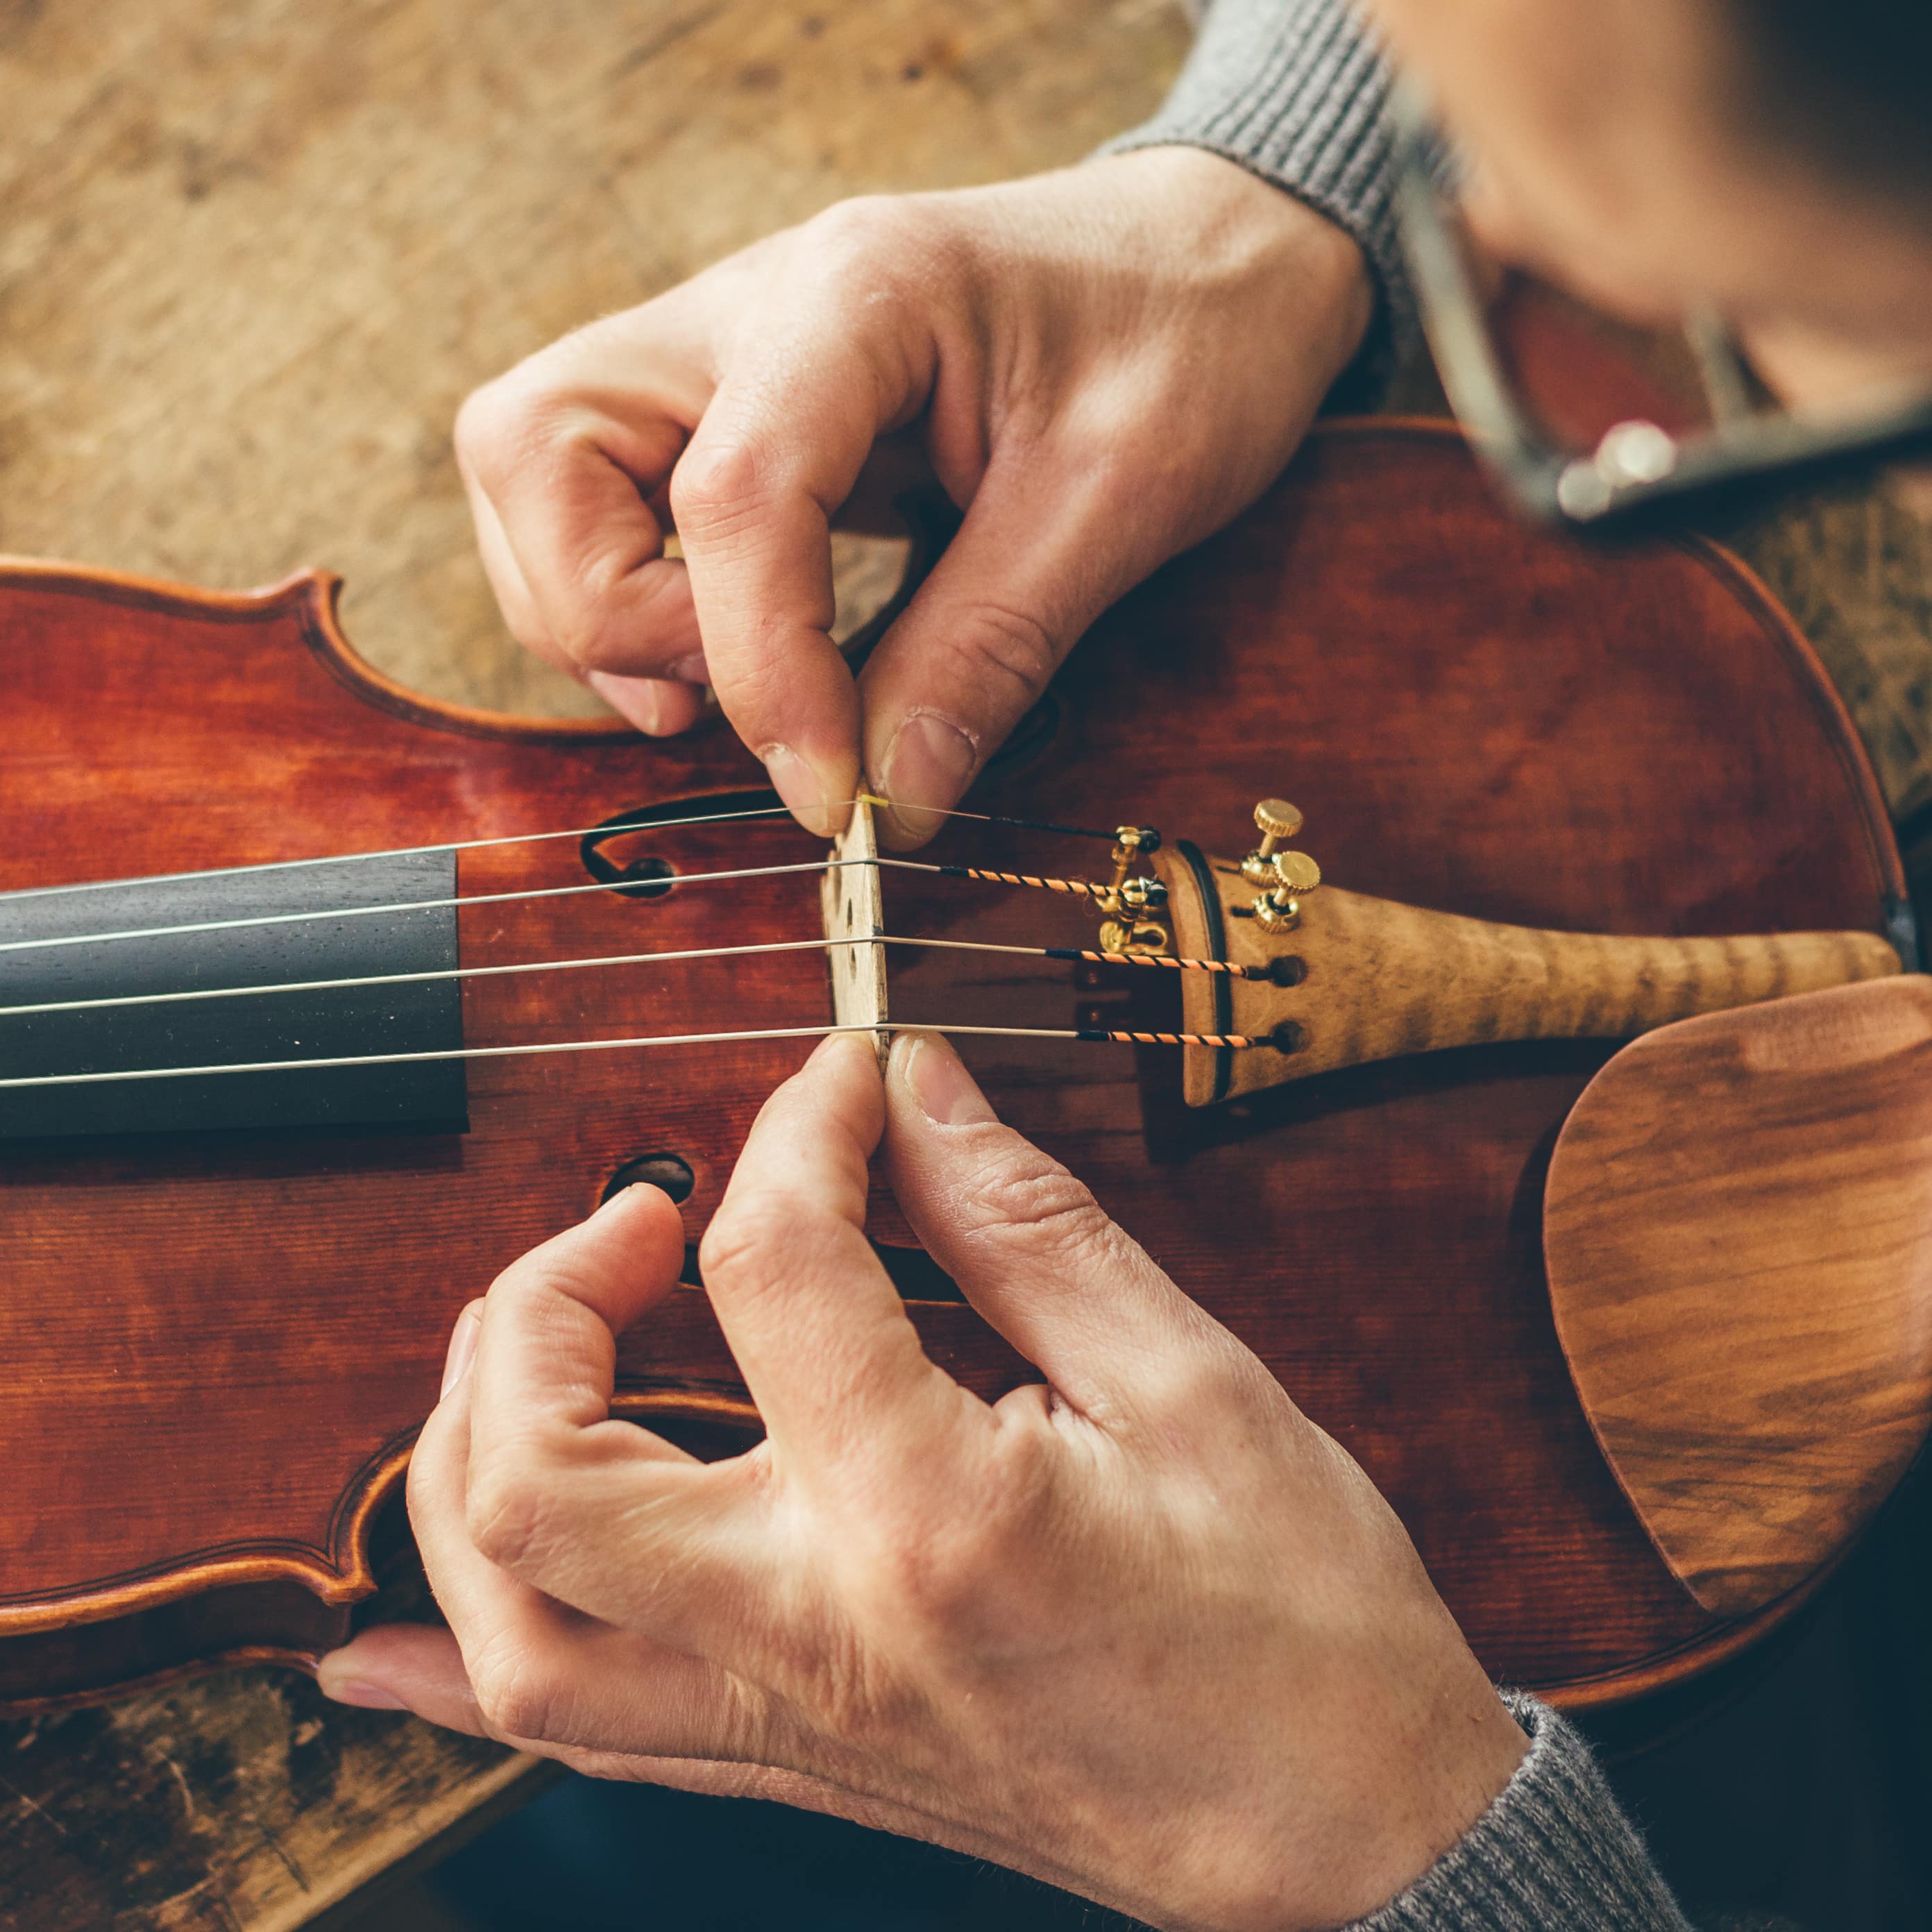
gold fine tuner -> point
(1129, 903)
(1132, 844)
(1276, 820)
(1286, 878)
(1278, 909)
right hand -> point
(1139, 1628)
(1102, 366)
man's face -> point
(1619, 149)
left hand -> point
(1100, 365)
(1143, 1631)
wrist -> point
(1439, 1780)
(1401, 1784)
(1243, 229)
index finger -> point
(563, 458)
(828, 1352)
(778, 451)
(595, 1512)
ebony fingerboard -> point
(425, 1016)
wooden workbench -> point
(255, 253)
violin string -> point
(999, 818)
(407, 851)
(1065, 953)
(1085, 887)
(540, 837)
(1100, 1035)
(432, 905)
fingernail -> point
(947, 1093)
(368, 1697)
(691, 670)
(636, 698)
(805, 793)
(927, 764)
(462, 1349)
(617, 1200)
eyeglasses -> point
(1592, 424)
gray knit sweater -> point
(1294, 90)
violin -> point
(441, 979)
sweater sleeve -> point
(1552, 1853)
(1295, 91)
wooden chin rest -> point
(1359, 979)
(1737, 1227)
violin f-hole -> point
(650, 875)
(670, 1173)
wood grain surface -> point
(1373, 980)
(1739, 1229)
(248, 1430)
(255, 254)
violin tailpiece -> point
(1371, 979)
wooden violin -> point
(227, 1294)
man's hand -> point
(1102, 366)
(1143, 1631)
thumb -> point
(407, 1667)
(1030, 1248)
(1034, 563)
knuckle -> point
(968, 1570)
(865, 233)
(718, 486)
(535, 1293)
(1016, 647)
(1030, 1197)
(516, 1695)
(509, 1511)
(898, 250)
(1215, 1386)
(498, 423)
(746, 1242)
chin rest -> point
(1737, 1227)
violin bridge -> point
(854, 910)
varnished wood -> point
(1372, 1230)
(311, 195)
(1738, 1228)
(1376, 978)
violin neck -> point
(1372, 978)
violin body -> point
(218, 1341)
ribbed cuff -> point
(1552, 1853)
(1294, 90)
